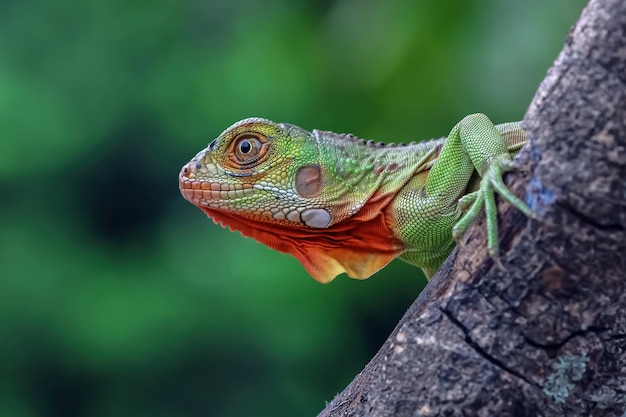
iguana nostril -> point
(189, 169)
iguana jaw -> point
(203, 183)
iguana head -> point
(297, 192)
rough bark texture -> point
(545, 336)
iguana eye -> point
(247, 148)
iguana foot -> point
(473, 203)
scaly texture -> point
(342, 204)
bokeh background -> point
(117, 297)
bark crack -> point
(584, 218)
(478, 349)
(558, 345)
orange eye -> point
(247, 148)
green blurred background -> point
(119, 298)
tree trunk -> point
(546, 335)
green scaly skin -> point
(341, 204)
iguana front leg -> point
(475, 144)
(477, 132)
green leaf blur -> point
(117, 297)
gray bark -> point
(546, 335)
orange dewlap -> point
(359, 246)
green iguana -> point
(342, 204)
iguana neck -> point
(355, 170)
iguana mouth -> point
(199, 191)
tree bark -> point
(545, 335)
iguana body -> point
(341, 204)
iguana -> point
(342, 204)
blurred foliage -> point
(117, 297)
